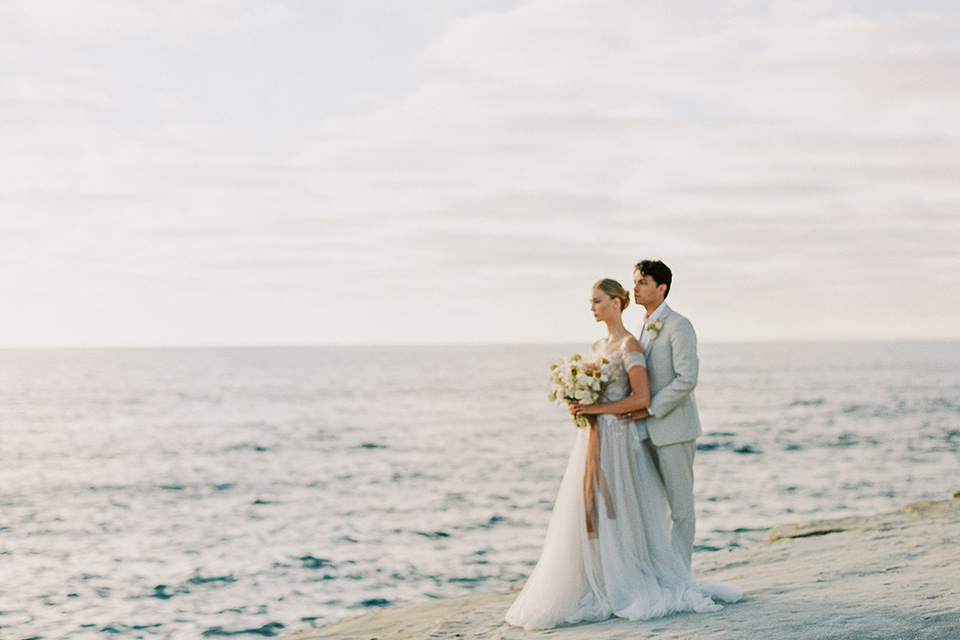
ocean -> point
(253, 492)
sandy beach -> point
(887, 576)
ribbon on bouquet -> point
(594, 482)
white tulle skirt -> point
(628, 568)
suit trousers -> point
(675, 464)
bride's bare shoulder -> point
(630, 345)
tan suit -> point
(674, 424)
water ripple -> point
(251, 492)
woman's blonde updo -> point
(615, 290)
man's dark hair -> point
(655, 269)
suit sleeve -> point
(683, 344)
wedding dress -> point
(621, 561)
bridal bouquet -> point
(574, 379)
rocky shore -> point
(888, 576)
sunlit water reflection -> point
(203, 493)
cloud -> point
(806, 151)
(91, 20)
(834, 69)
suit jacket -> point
(672, 367)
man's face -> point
(646, 291)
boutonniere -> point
(654, 328)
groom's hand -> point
(630, 416)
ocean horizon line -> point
(503, 343)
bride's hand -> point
(577, 409)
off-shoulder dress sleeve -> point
(633, 359)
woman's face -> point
(602, 305)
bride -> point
(608, 547)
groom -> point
(672, 425)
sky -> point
(237, 172)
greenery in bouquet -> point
(574, 379)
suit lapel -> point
(662, 319)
